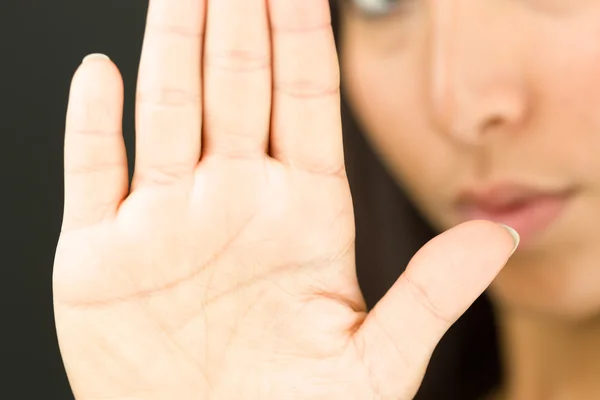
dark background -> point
(41, 44)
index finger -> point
(306, 121)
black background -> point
(41, 44)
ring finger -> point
(237, 76)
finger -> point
(443, 279)
(237, 75)
(168, 101)
(96, 179)
(306, 125)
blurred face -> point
(491, 109)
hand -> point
(226, 270)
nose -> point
(477, 82)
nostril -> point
(494, 122)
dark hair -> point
(389, 230)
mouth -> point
(528, 210)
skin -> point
(225, 270)
(498, 91)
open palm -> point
(226, 270)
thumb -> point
(442, 280)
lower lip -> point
(528, 219)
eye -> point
(376, 8)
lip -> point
(530, 211)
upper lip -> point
(502, 196)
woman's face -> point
(491, 109)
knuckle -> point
(425, 301)
(91, 168)
(167, 97)
(165, 174)
(92, 132)
(76, 216)
(300, 14)
(237, 60)
(302, 27)
(306, 89)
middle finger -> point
(237, 76)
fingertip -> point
(514, 235)
(95, 57)
(482, 231)
(96, 85)
(95, 67)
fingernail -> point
(515, 236)
(95, 57)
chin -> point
(550, 294)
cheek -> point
(565, 73)
(565, 76)
(387, 97)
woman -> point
(235, 276)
